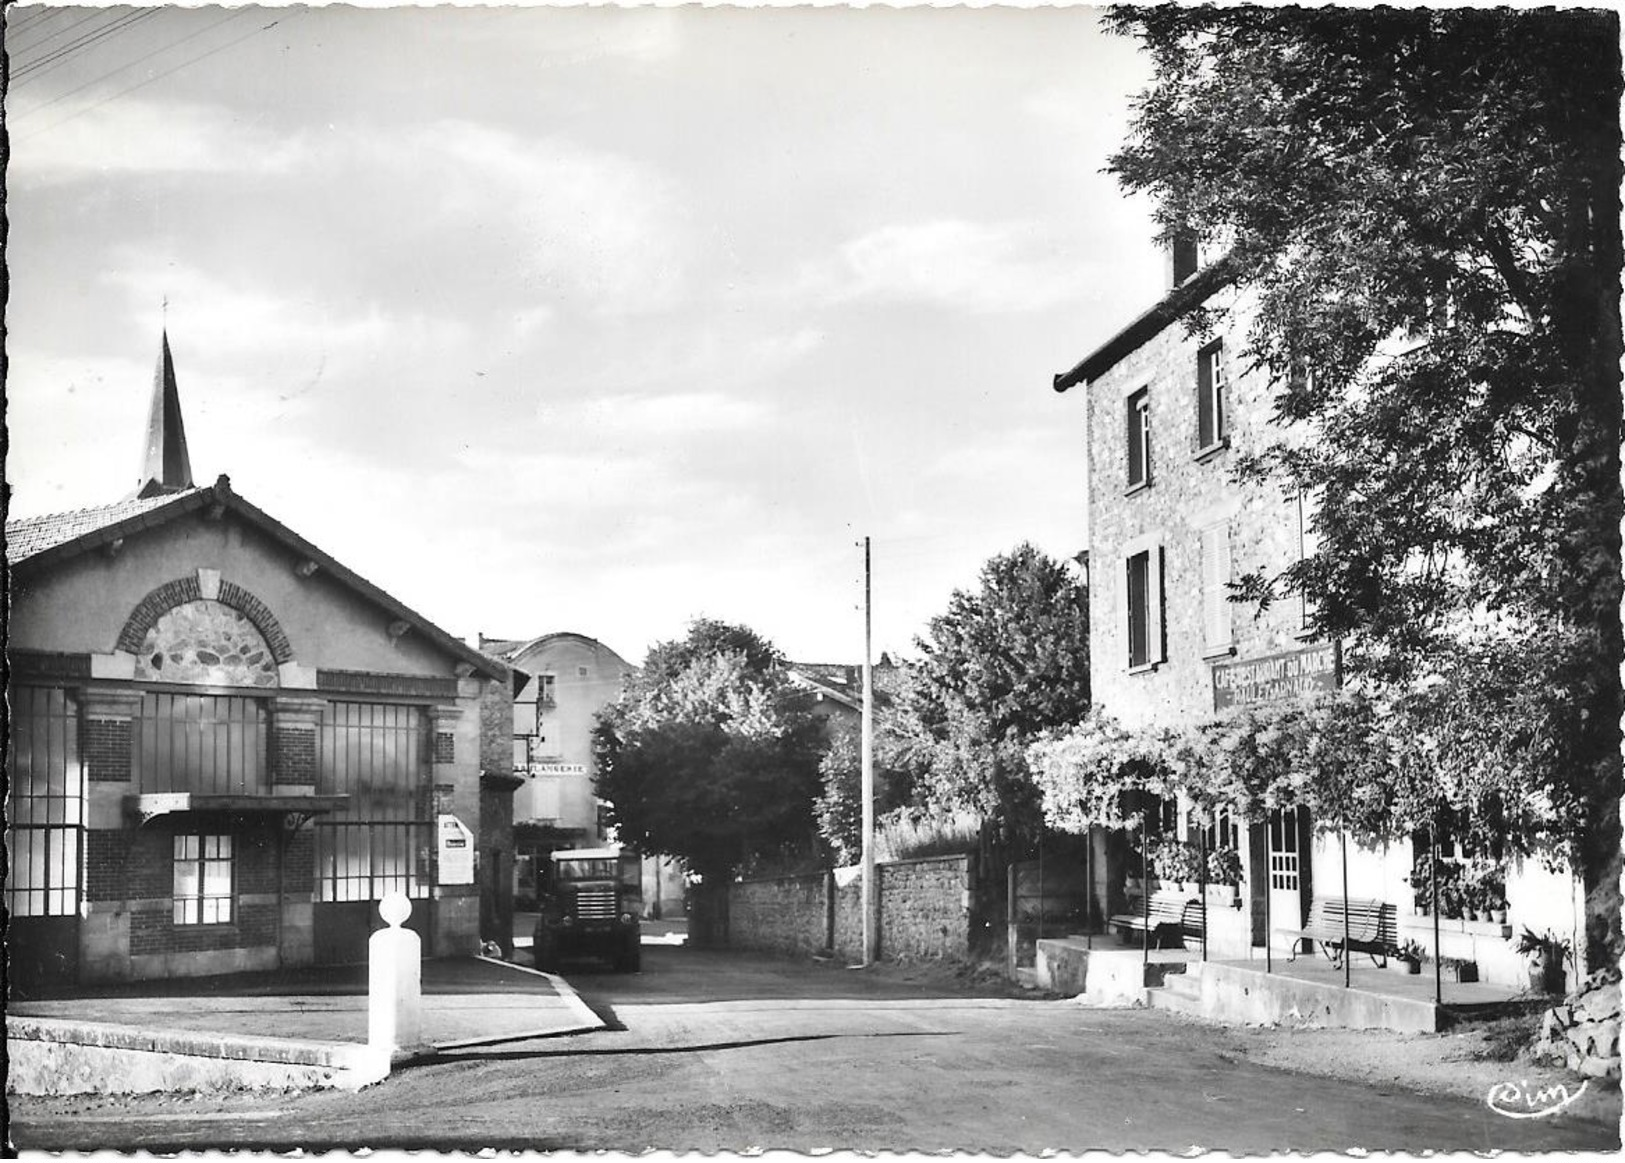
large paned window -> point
(203, 879)
(47, 803)
(1216, 604)
(375, 754)
(1139, 439)
(1145, 625)
(1212, 397)
(209, 744)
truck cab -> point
(591, 902)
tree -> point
(1452, 175)
(710, 755)
(1003, 664)
(840, 805)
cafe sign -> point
(1277, 676)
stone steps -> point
(1179, 993)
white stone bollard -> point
(395, 982)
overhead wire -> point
(60, 97)
(289, 15)
(27, 21)
(56, 57)
(62, 31)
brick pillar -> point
(107, 744)
(293, 743)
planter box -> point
(1459, 970)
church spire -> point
(167, 468)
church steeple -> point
(167, 468)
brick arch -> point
(186, 589)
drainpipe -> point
(1145, 889)
(1269, 884)
(1201, 884)
(1343, 844)
(1433, 878)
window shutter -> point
(1216, 625)
(1136, 439)
(1156, 631)
(1134, 608)
(1205, 431)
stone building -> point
(572, 678)
(225, 746)
(1166, 413)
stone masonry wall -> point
(924, 912)
(1185, 496)
(783, 915)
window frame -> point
(1138, 420)
(1212, 400)
(1216, 563)
(47, 806)
(199, 864)
(1304, 509)
(1151, 616)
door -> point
(1288, 868)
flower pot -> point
(1553, 978)
(1413, 967)
(1498, 916)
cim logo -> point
(1518, 1100)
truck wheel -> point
(631, 958)
(545, 951)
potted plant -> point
(1176, 861)
(1498, 910)
(1421, 882)
(1544, 955)
(1224, 872)
(1412, 954)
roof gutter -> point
(1174, 305)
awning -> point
(295, 808)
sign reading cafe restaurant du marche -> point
(1295, 672)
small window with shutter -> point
(1139, 439)
(1216, 606)
(1146, 633)
(1212, 398)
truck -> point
(591, 905)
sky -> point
(588, 319)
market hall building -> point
(225, 747)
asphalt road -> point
(710, 1051)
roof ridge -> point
(86, 510)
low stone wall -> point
(925, 906)
(48, 1056)
(1583, 1032)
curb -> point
(587, 1021)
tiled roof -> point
(31, 535)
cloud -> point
(980, 268)
(135, 136)
(596, 226)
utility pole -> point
(871, 935)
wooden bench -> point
(1373, 929)
(1163, 918)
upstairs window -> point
(1301, 509)
(1146, 634)
(1139, 439)
(1186, 256)
(1212, 397)
(1216, 605)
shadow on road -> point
(485, 1054)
